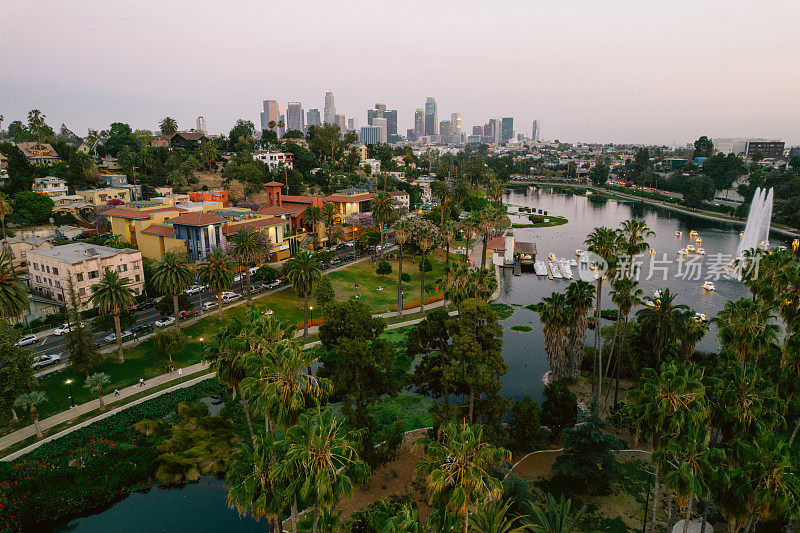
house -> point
(351, 201)
(3, 161)
(69, 203)
(160, 141)
(211, 195)
(50, 185)
(187, 139)
(275, 159)
(109, 163)
(98, 197)
(39, 153)
(51, 269)
(120, 181)
(401, 198)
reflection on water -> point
(525, 354)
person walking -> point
(141, 382)
(116, 392)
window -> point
(93, 274)
(136, 265)
(38, 279)
(55, 271)
(136, 277)
(36, 266)
(48, 269)
(122, 268)
(58, 284)
(79, 277)
(82, 292)
(50, 281)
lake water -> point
(524, 352)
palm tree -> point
(96, 382)
(382, 209)
(111, 295)
(665, 403)
(216, 273)
(447, 231)
(486, 223)
(332, 216)
(483, 283)
(455, 467)
(494, 517)
(173, 275)
(13, 296)
(302, 271)
(37, 123)
(323, 453)
(250, 247)
(168, 125)
(660, 321)
(402, 233)
(746, 328)
(693, 330)
(580, 296)
(555, 317)
(605, 243)
(314, 217)
(6, 209)
(30, 401)
(556, 516)
(633, 234)
(441, 191)
(626, 295)
(425, 235)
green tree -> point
(495, 517)
(95, 383)
(455, 469)
(555, 317)
(216, 273)
(168, 126)
(79, 341)
(172, 275)
(599, 174)
(626, 294)
(556, 517)
(524, 427)
(169, 341)
(425, 235)
(111, 295)
(697, 190)
(30, 401)
(560, 408)
(250, 247)
(579, 298)
(32, 208)
(13, 296)
(660, 321)
(403, 231)
(703, 147)
(324, 293)
(302, 271)
(430, 339)
(315, 217)
(746, 327)
(6, 209)
(382, 209)
(16, 374)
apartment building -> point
(98, 197)
(50, 185)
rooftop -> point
(160, 229)
(142, 214)
(197, 219)
(252, 224)
(81, 251)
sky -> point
(623, 71)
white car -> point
(168, 321)
(237, 278)
(194, 289)
(209, 305)
(253, 270)
(41, 361)
(230, 296)
(25, 340)
(113, 337)
(62, 329)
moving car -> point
(147, 304)
(168, 321)
(112, 338)
(194, 289)
(41, 361)
(25, 340)
(274, 284)
(209, 305)
(60, 330)
(183, 315)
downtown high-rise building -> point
(445, 131)
(201, 125)
(390, 115)
(270, 114)
(295, 119)
(419, 124)
(352, 124)
(431, 116)
(411, 134)
(313, 118)
(477, 130)
(535, 131)
(507, 129)
(370, 135)
(455, 122)
(382, 123)
(329, 115)
(341, 121)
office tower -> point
(535, 131)
(270, 114)
(411, 134)
(391, 124)
(352, 124)
(330, 108)
(431, 116)
(419, 124)
(382, 124)
(201, 125)
(341, 121)
(444, 131)
(370, 135)
(455, 122)
(313, 117)
(377, 112)
(477, 130)
(294, 117)
(494, 128)
(507, 131)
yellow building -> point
(102, 196)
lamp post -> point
(311, 308)
(201, 347)
(71, 398)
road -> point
(54, 344)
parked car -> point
(138, 329)
(147, 304)
(237, 278)
(194, 289)
(112, 338)
(47, 359)
(163, 322)
(257, 287)
(230, 296)
(253, 270)
(60, 330)
(209, 305)
(25, 340)
(187, 313)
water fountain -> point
(756, 230)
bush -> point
(560, 409)
(428, 266)
(524, 427)
(383, 268)
(265, 273)
(406, 277)
(324, 294)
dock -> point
(517, 268)
(549, 270)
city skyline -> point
(586, 78)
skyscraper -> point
(445, 131)
(370, 135)
(494, 129)
(201, 125)
(535, 131)
(507, 129)
(352, 124)
(270, 114)
(382, 124)
(455, 122)
(330, 108)
(294, 117)
(341, 121)
(391, 124)
(313, 117)
(411, 134)
(431, 117)
(419, 124)
(477, 130)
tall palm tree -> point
(660, 321)
(111, 295)
(746, 328)
(403, 231)
(95, 383)
(250, 247)
(216, 273)
(633, 233)
(425, 235)
(605, 243)
(6, 209)
(693, 330)
(455, 468)
(580, 296)
(664, 403)
(470, 229)
(555, 317)
(173, 275)
(556, 517)
(30, 401)
(332, 216)
(13, 296)
(324, 453)
(36, 119)
(447, 232)
(168, 125)
(626, 295)
(315, 217)
(302, 271)
(441, 191)
(382, 209)
(487, 221)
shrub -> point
(164, 305)
(524, 427)
(265, 273)
(406, 277)
(323, 293)
(383, 268)
(560, 409)
(428, 266)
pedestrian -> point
(116, 392)
(141, 382)
(180, 372)
(166, 366)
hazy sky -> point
(611, 71)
